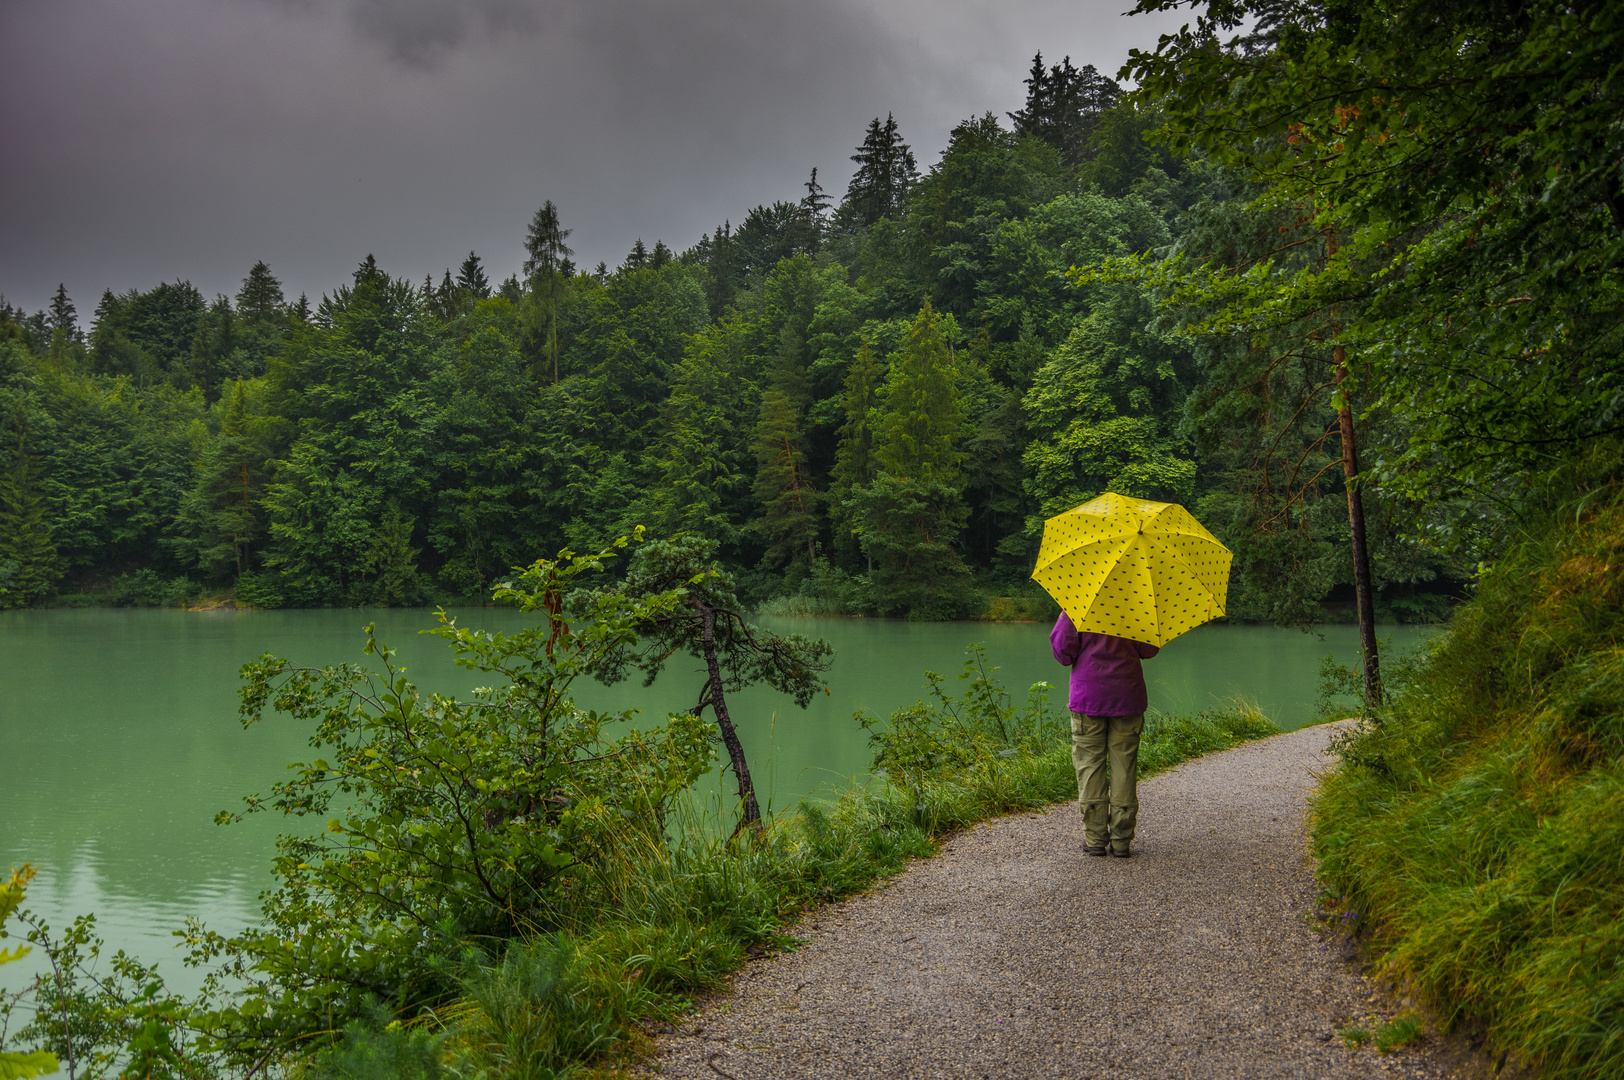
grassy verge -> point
(1478, 830)
(674, 919)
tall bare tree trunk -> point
(1362, 591)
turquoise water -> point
(120, 741)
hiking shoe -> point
(1098, 849)
(1122, 853)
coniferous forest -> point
(868, 402)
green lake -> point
(119, 739)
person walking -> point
(1108, 702)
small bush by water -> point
(1477, 829)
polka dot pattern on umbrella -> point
(1133, 568)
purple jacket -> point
(1106, 678)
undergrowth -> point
(1478, 827)
(671, 918)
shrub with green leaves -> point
(928, 740)
(446, 820)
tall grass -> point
(1478, 831)
(663, 919)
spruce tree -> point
(910, 514)
(705, 460)
(260, 298)
(544, 243)
(724, 269)
(63, 316)
(212, 347)
(815, 209)
(1064, 106)
(885, 170)
(854, 461)
(660, 256)
(222, 518)
(637, 258)
(471, 278)
(790, 501)
(918, 434)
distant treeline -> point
(871, 404)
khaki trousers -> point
(1108, 819)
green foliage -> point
(917, 431)
(704, 620)
(1466, 159)
(1475, 829)
(924, 741)
(1100, 412)
(15, 1065)
(97, 1019)
(455, 819)
(29, 567)
(907, 531)
(148, 588)
(545, 1007)
(377, 1047)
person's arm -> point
(1064, 641)
(1145, 651)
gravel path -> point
(1012, 954)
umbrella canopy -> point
(1131, 568)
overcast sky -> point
(155, 140)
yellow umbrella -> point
(1131, 568)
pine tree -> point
(660, 256)
(260, 298)
(790, 520)
(815, 206)
(910, 515)
(301, 310)
(1064, 106)
(705, 459)
(918, 433)
(544, 243)
(212, 346)
(854, 458)
(63, 316)
(471, 278)
(637, 258)
(221, 518)
(885, 170)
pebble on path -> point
(1013, 954)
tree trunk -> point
(751, 812)
(1362, 592)
(1361, 555)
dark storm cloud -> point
(152, 140)
(420, 32)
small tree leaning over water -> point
(706, 623)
